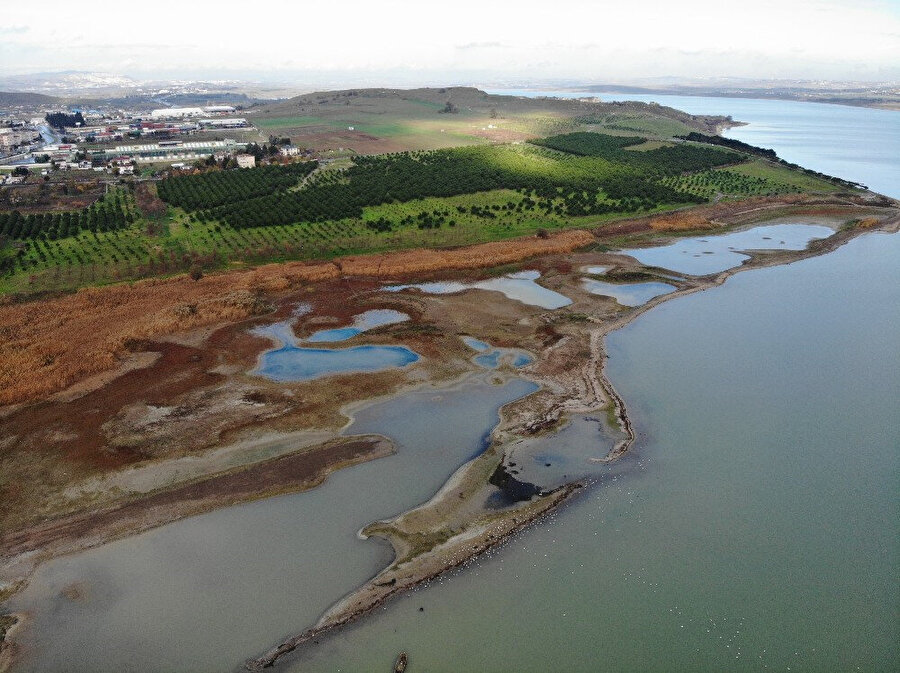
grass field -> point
(656, 126)
(754, 178)
(391, 120)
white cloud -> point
(566, 38)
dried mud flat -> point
(186, 393)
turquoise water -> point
(711, 254)
(854, 143)
(476, 344)
(754, 527)
(497, 356)
(203, 594)
(291, 362)
(361, 323)
(631, 294)
(491, 358)
(520, 286)
(596, 270)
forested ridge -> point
(767, 154)
(440, 197)
(602, 177)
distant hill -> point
(26, 98)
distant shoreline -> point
(824, 97)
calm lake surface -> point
(627, 294)
(755, 526)
(519, 286)
(292, 362)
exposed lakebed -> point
(627, 294)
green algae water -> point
(755, 526)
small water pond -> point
(491, 358)
(293, 362)
(711, 254)
(520, 286)
(631, 294)
(361, 323)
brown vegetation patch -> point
(501, 135)
(476, 256)
(361, 143)
(46, 346)
(681, 222)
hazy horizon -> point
(397, 42)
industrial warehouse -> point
(169, 150)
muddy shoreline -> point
(562, 392)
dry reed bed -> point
(48, 345)
(681, 222)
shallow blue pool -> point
(293, 363)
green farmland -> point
(438, 198)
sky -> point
(456, 41)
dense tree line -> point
(767, 154)
(215, 188)
(62, 119)
(601, 177)
(731, 143)
(590, 144)
(655, 163)
(108, 214)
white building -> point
(169, 150)
(224, 123)
(218, 109)
(289, 151)
(176, 112)
(11, 137)
(246, 160)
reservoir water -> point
(710, 254)
(627, 294)
(520, 286)
(361, 323)
(290, 361)
(491, 358)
